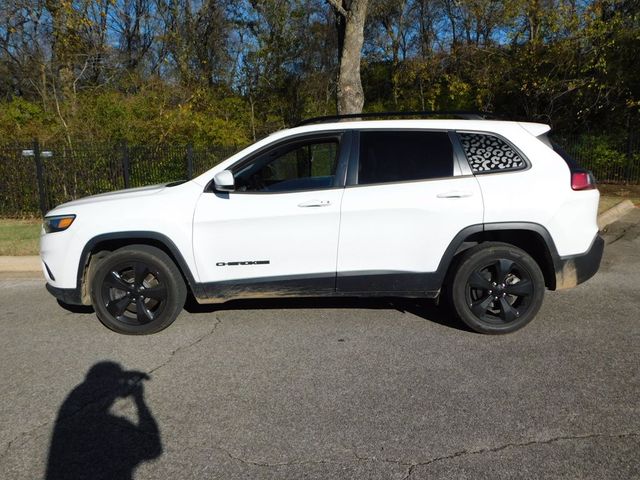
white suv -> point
(488, 212)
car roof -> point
(497, 126)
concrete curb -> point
(27, 263)
(614, 213)
(31, 263)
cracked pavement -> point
(346, 388)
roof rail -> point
(467, 115)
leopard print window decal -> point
(487, 153)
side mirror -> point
(224, 181)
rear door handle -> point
(454, 194)
(314, 203)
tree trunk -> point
(350, 15)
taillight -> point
(581, 180)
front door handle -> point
(454, 194)
(315, 203)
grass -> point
(618, 193)
(19, 237)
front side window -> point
(488, 153)
(400, 156)
(301, 166)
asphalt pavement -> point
(327, 389)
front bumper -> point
(69, 296)
(574, 270)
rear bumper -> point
(70, 296)
(574, 270)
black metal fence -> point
(612, 159)
(35, 178)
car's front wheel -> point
(137, 290)
(497, 288)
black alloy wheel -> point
(499, 292)
(497, 288)
(137, 290)
(134, 293)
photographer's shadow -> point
(89, 441)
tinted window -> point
(401, 156)
(306, 166)
(488, 153)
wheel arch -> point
(109, 242)
(533, 238)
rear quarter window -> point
(487, 153)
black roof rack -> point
(467, 115)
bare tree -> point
(135, 33)
(350, 20)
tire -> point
(137, 290)
(497, 288)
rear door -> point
(407, 197)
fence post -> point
(189, 161)
(42, 195)
(125, 164)
(629, 165)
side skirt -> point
(357, 284)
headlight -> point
(58, 223)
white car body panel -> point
(542, 195)
(168, 211)
(276, 227)
(401, 227)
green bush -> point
(600, 151)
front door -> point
(277, 233)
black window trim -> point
(354, 160)
(342, 137)
(525, 159)
(459, 154)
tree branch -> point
(338, 8)
(84, 68)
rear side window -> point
(402, 156)
(488, 153)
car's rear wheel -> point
(137, 290)
(497, 288)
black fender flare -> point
(131, 237)
(462, 235)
